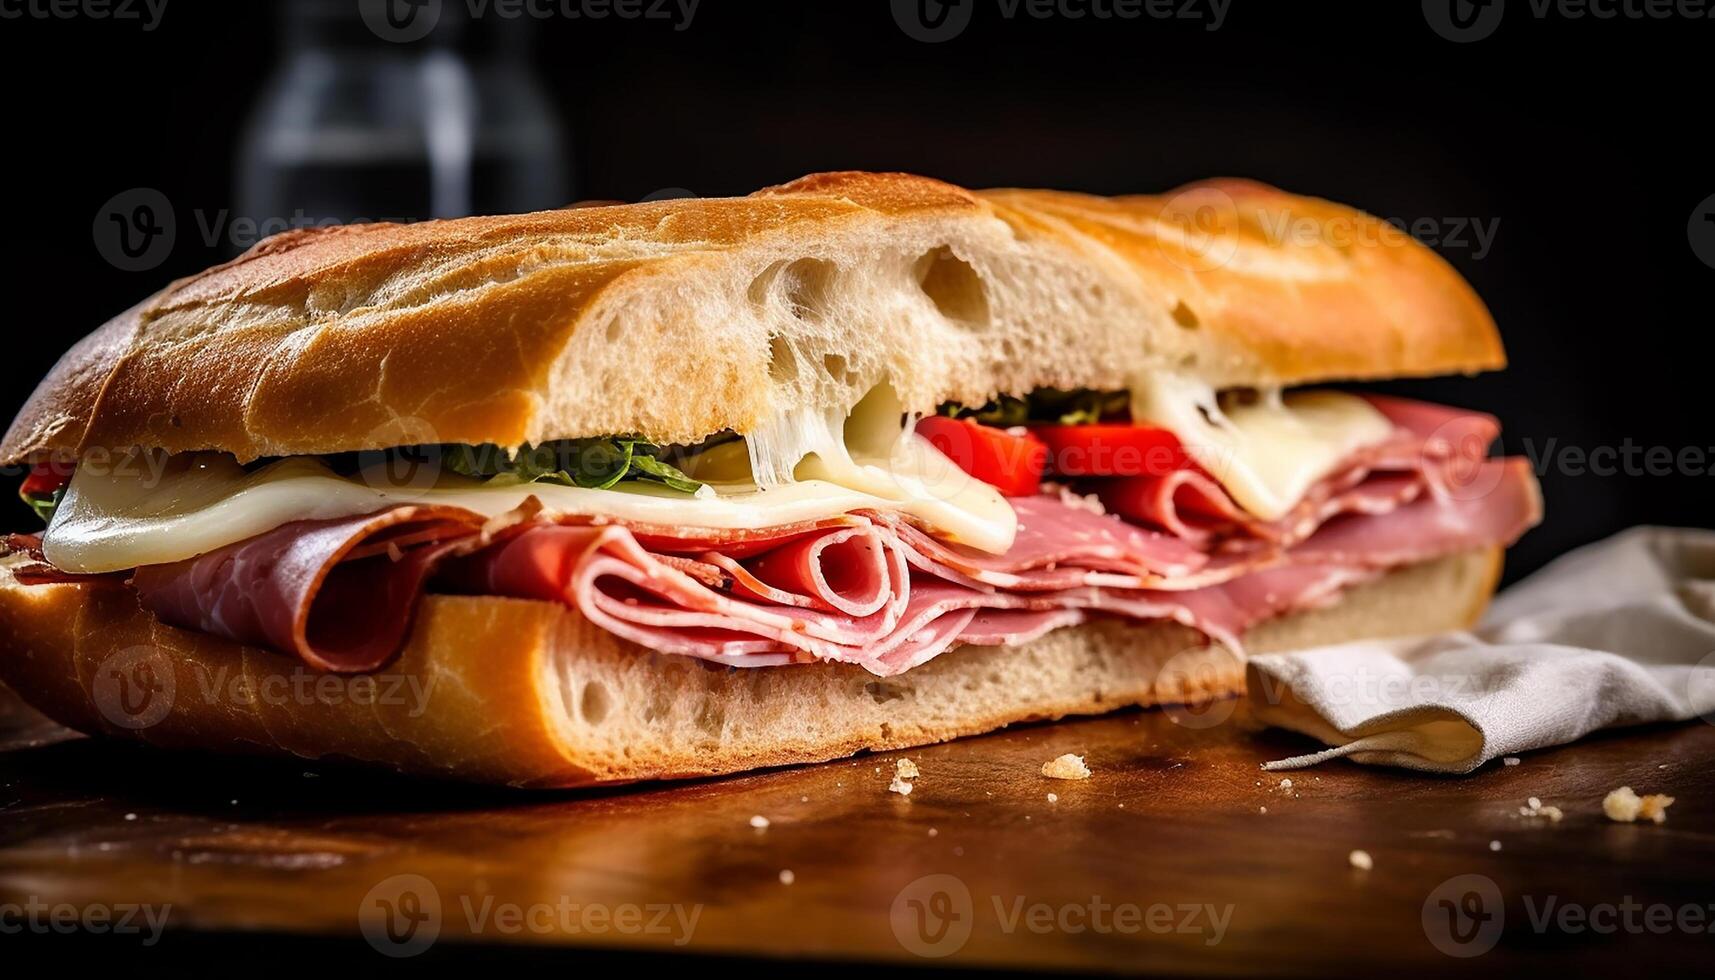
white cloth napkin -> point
(1620, 632)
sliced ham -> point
(1442, 431)
(1007, 627)
(873, 589)
(1507, 504)
(1433, 448)
(1058, 546)
(339, 593)
(847, 570)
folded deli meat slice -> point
(871, 588)
(340, 593)
(1434, 448)
(337, 593)
(1060, 544)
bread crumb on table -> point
(787, 877)
(904, 770)
(1624, 806)
(1053, 797)
(759, 821)
(1361, 860)
(1068, 766)
(1511, 760)
(1533, 809)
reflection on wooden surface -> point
(1164, 860)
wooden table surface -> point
(1164, 861)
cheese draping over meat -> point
(868, 587)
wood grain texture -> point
(1172, 816)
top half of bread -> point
(677, 319)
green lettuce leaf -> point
(44, 504)
(597, 464)
(1079, 407)
(656, 470)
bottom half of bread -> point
(531, 694)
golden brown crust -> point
(1299, 289)
(507, 329)
(529, 693)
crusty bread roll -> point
(531, 694)
(677, 319)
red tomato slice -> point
(1010, 463)
(45, 478)
(1119, 449)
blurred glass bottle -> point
(373, 117)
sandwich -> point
(671, 489)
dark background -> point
(1583, 138)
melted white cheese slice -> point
(1268, 452)
(801, 467)
(130, 516)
